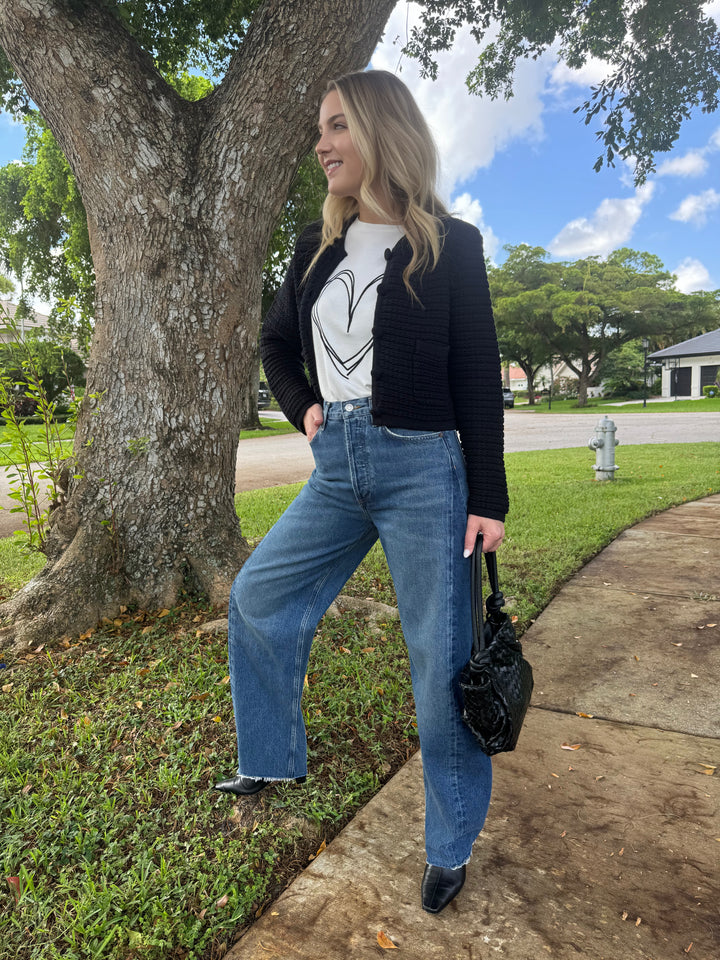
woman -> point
(381, 348)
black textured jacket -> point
(436, 364)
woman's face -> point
(336, 151)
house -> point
(689, 366)
(36, 321)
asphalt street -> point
(287, 459)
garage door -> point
(681, 382)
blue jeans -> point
(409, 489)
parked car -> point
(263, 396)
(508, 398)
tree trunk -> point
(249, 415)
(180, 209)
(584, 383)
(528, 371)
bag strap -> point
(476, 600)
(495, 600)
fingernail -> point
(466, 553)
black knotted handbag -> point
(497, 681)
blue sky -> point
(522, 170)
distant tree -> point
(582, 311)
(58, 367)
(623, 370)
(516, 291)
(44, 236)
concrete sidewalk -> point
(606, 851)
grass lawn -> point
(35, 435)
(702, 405)
(109, 742)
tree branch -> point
(270, 94)
(96, 88)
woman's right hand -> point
(312, 421)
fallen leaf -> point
(222, 902)
(202, 913)
(217, 719)
(139, 704)
(224, 680)
(344, 650)
(164, 613)
(170, 684)
(368, 649)
(14, 883)
(7, 687)
(385, 942)
(513, 618)
(569, 746)
(63, 714)
(318, 852)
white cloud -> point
(467, 208)
(611, 226)
(691, 164)
(696, 207)
(712, 9)
(692, 275)
(694, 163)
(469, 129)
(589, 75)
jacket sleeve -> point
(281, 342)
(475, 377)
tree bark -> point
(181, 200)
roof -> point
(33, 322)
(705, 343)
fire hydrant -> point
(604, 443)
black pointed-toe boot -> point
(440, 885)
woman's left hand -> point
(493, 532)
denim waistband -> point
(345, 409)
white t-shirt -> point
(343, 313)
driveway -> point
(287, 458)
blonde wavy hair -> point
(399, 160)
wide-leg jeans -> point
(409, 489)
